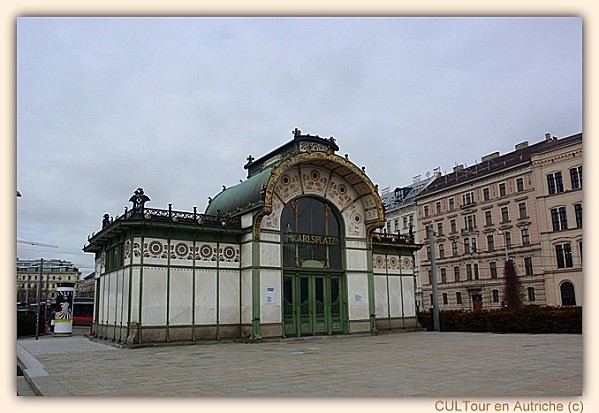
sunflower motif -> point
(181, 249)
(156, 248)
(229, 253)
(206, 251)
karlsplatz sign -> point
(313, 239)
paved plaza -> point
(422, 364)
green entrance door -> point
(312, 304)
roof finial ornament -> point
(296, 133)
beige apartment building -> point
(557, 176)
(497, 210)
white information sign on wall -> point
(270, 295)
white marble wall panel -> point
(246, 296)
(247, 220)
(409, 300)
(357, 260)
(134, 286)
(205, 297)
(395, 296)
(271, 312)
(380, 296)
(270, 237)
(229, 297)
(124, 287)
(180, 300)
(357, 296)
(246, 255)
(270, 255)
(353, 243)
(154, 296)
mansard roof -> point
(494, 163)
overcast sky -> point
(175, 105)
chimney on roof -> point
(548, 137)
(416, 179)
(490, 156)
(458, 168)
(522, 145)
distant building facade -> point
(53, 272)
(501, 209)
(401, 217)
(557, 176)
(290, 251)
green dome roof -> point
(240, 196)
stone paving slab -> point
(422, 364)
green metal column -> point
(371, 303)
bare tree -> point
(513, 287)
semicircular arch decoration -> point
(366, 191)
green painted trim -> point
(255, 285)
(217, 289)
(193, 294)
(168, 288)
(141, 281)
(371, 303)
(129, 310)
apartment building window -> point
(451, 204)
(576, 177)
(438, 207)
(443, 276)
(453, 226)
(440, 229)
(525, 236)
(493, 270)
(397, 224)
(445, 298)
(405, 222)
(522, 212)
(426, 211)
(486, 194)
(520, 185)
(428, 252)
(531, 294)
(475, 268)
(430, 277)
(388, 227)
(528, 266)
(555, 184)
(559, 218)
(441, 251)
(488, 218)
(454, 248)
(578, 215)
(458, 298)
(495, 296)
(563, 253)
(411, 219)
(468, 198)
(469, 272)
(567, 293)
(507, 239)
(466, 245)
(427, 229)
(470, 222)
(490, 243)
(456, 274)
(580, 250)
(505, 215)
(502, 190)
(473, 244)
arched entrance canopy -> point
(258, 191)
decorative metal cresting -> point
(139, 199)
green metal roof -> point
(241, 196)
